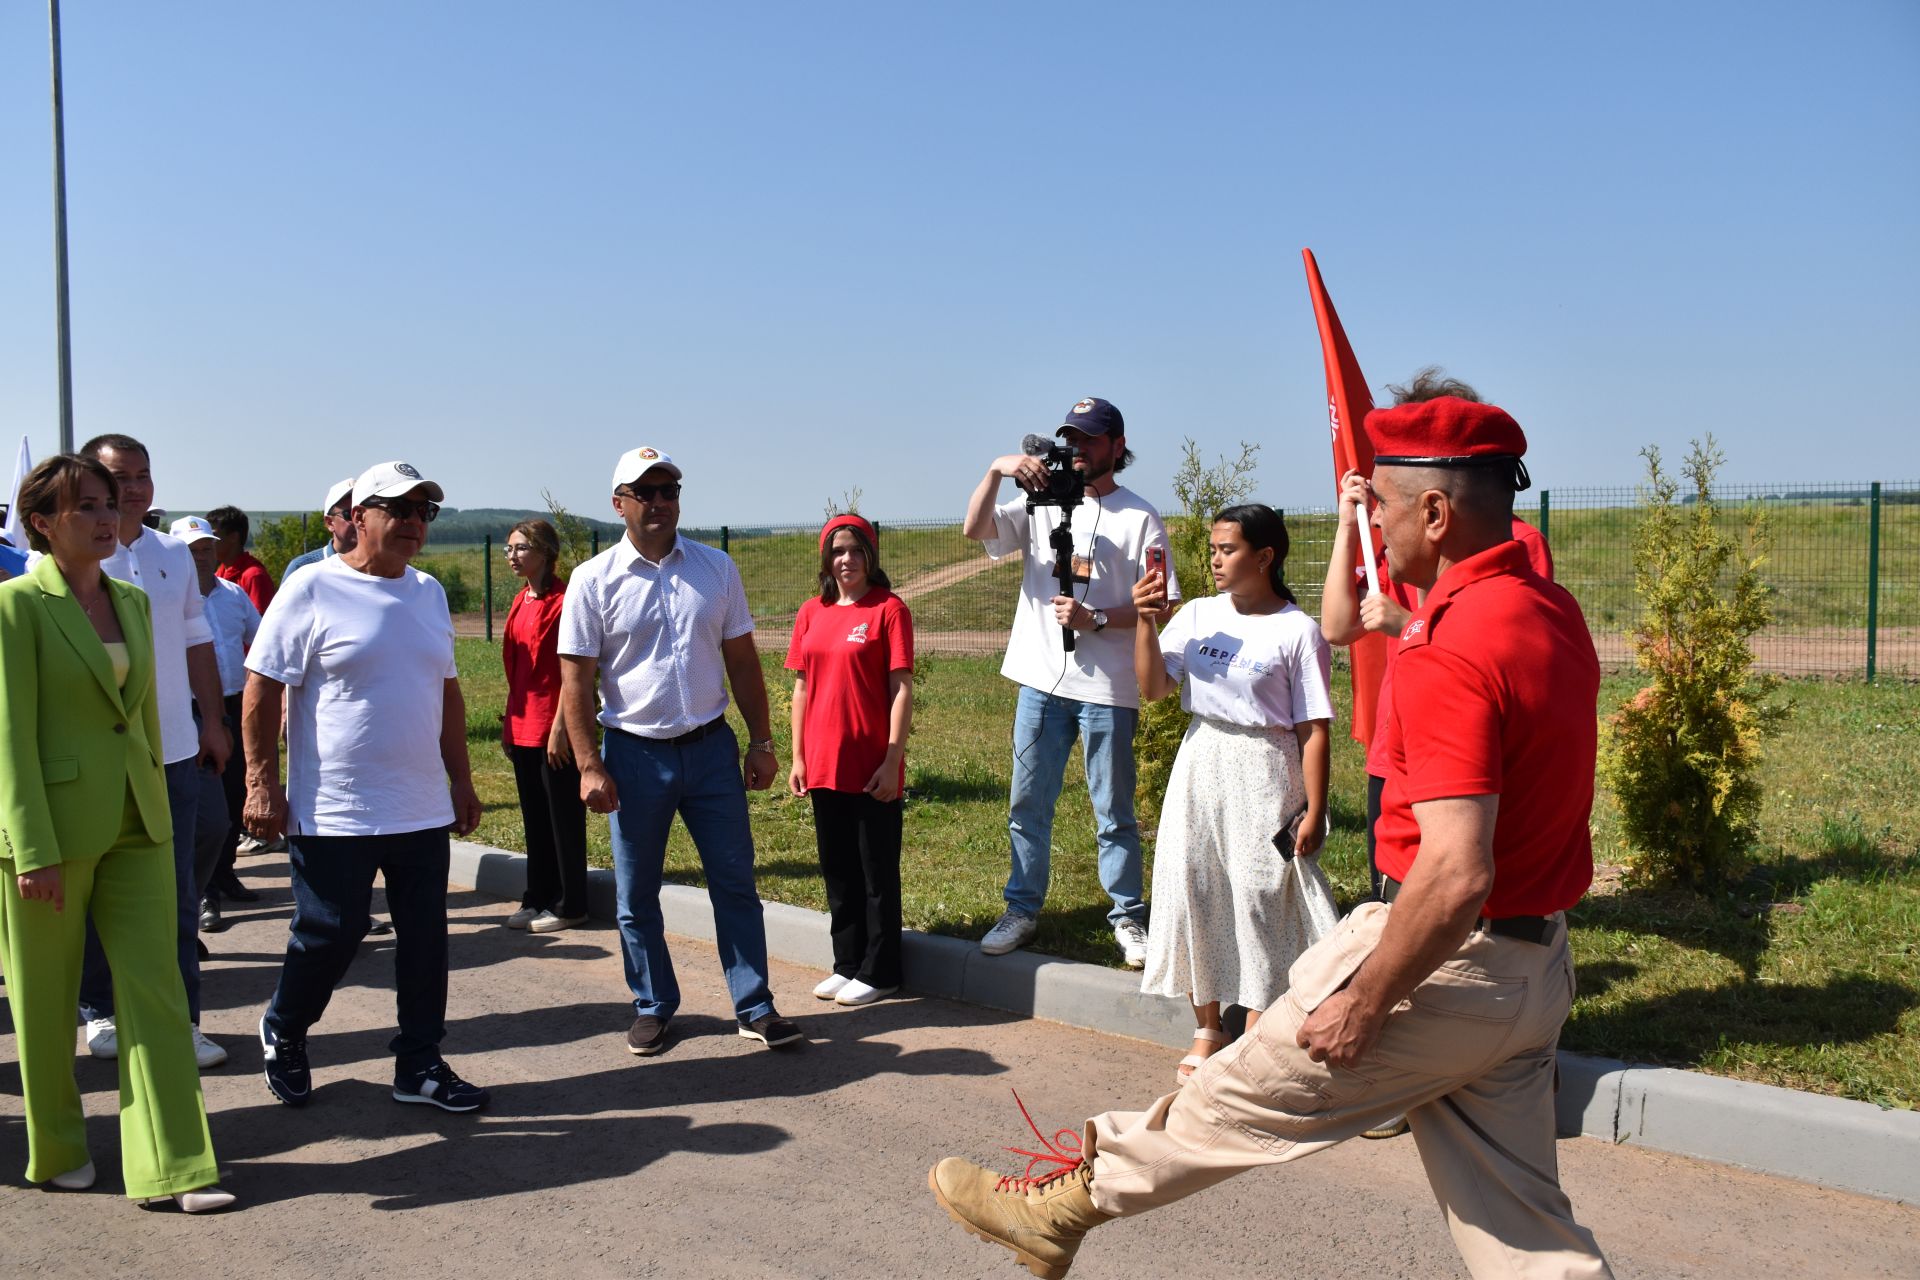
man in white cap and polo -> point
(659, 623)
(337, 515)
(360, 647)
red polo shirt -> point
(530, 651)
(1495, 692)
(252, 578)
(846, 652)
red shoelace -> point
(1066, 1156)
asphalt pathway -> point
(722, 1158)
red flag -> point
(1348, 404)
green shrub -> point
(1682, 755)
(274, 542)
(1201, 491)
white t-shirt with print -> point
(1269, 670)
(365, 660)
(1110, 540)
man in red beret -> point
(1445, 1002)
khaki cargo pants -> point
(1469, 1059)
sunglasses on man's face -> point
(405, 508)
(646, 492)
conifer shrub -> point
(1682, 755)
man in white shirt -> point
(660, 624)
(235, 621)
(1089, 693)
(185, 670)
(377, 772)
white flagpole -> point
(1366, 544)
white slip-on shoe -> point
(858, 992)
(522, 918)
(830, 987)
(552, 922)
(1014, 930)
(75, 1179)
(205, 1052)
(103, 1039)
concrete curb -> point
(1851, 1146)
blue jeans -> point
(1044, 727)
(194, 796)
(332, 904)
(701, 782)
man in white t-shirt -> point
(185, 671)
(1089, 693)
(360, 648)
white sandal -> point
(1212, 1035)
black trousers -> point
(555, 819)
(1375, 786)
(859, 842)
(234, 782)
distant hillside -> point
(461, 526)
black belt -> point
(714, 725)
(1538, 930)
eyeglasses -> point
(405, 508)
(513, 549)
(645, 492)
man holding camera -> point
(1086, 540)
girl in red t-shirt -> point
(852, 655)
(535, 738)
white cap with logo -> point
(635, 463)
(393, 480)
(191, 529)
(342, 489)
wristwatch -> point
(766, 746)
(1099, 619)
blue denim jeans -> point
(332, 905)
(701, 782)
(1044, 727)
(195, 797)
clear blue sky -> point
(805, 247)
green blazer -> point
(72, 742)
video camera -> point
(1065, 485)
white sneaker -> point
(830, 987)
(103, 1040)
(858, 992)
(206, 1052)
(250, 845)
(1132, 938)
(548, 922)
(1014, 930)
(522, 918)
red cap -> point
(856, 523)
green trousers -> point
(129, 891)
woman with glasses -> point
(534, 736)
(85, 831)
(852, 655)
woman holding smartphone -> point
(1237, 892)
(852, 655)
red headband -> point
(857, 524)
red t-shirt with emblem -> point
(250, 576)
(530, 649)
(1496, 693)
(1538, 554)
(846, 652)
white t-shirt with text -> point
(1269, 670)
(365, 660)
(1110, 540)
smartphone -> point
(1157, 560)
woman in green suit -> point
(85, 829)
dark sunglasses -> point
(645, 492)
(406, 508)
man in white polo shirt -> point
(661, 624)
(376, 731)
(184, 670)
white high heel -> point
(202, 1200)
(75, 1179)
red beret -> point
(853, 522)
(1442, 430)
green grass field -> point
(1807, 975)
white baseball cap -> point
(393, 480)
(341, 489)
(191, 529)
(635, 463)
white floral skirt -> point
(1229, 914)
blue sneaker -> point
(438, 1086)
(287, 1075)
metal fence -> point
(1844, 571)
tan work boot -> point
(1041, 1219)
